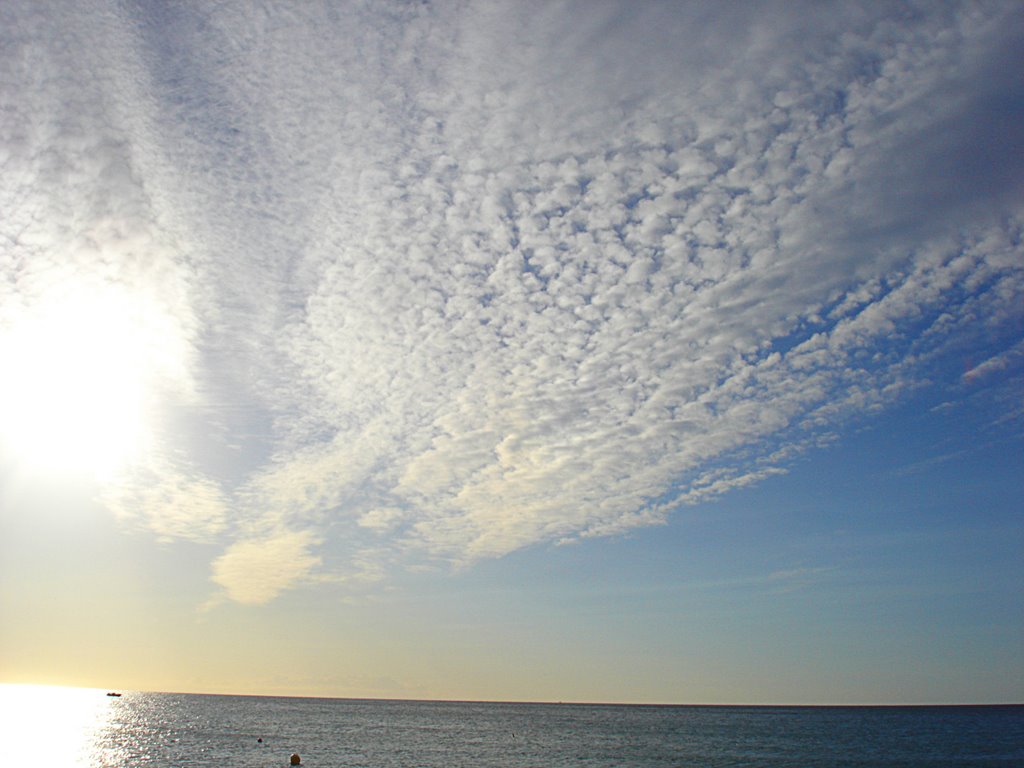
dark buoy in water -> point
(296, 760)
(259, 740)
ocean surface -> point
(63, 728)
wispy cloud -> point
(795, 579)
(1009, 358)
(173, 504)
(502, 274)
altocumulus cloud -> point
(456, 279)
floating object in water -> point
(259, 740)
(111, 693)
(296, 760)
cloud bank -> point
(451, 280)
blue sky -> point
(594, 351)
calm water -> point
(64, 728)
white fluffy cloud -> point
(477, 277)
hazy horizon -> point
(546, 702)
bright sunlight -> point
(51, 725)
(74, 394)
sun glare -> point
(50, 725)
(73, 393)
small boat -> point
(111, 693)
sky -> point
(566, 351)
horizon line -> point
(537, 702)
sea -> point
(44, 727)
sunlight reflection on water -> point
(67, 728)
(52, 726)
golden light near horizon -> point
(78, 367)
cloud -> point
(997, 363)
(478, 278)
(172, 504)
(795, 579)
(382, 518)
(255, 571)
